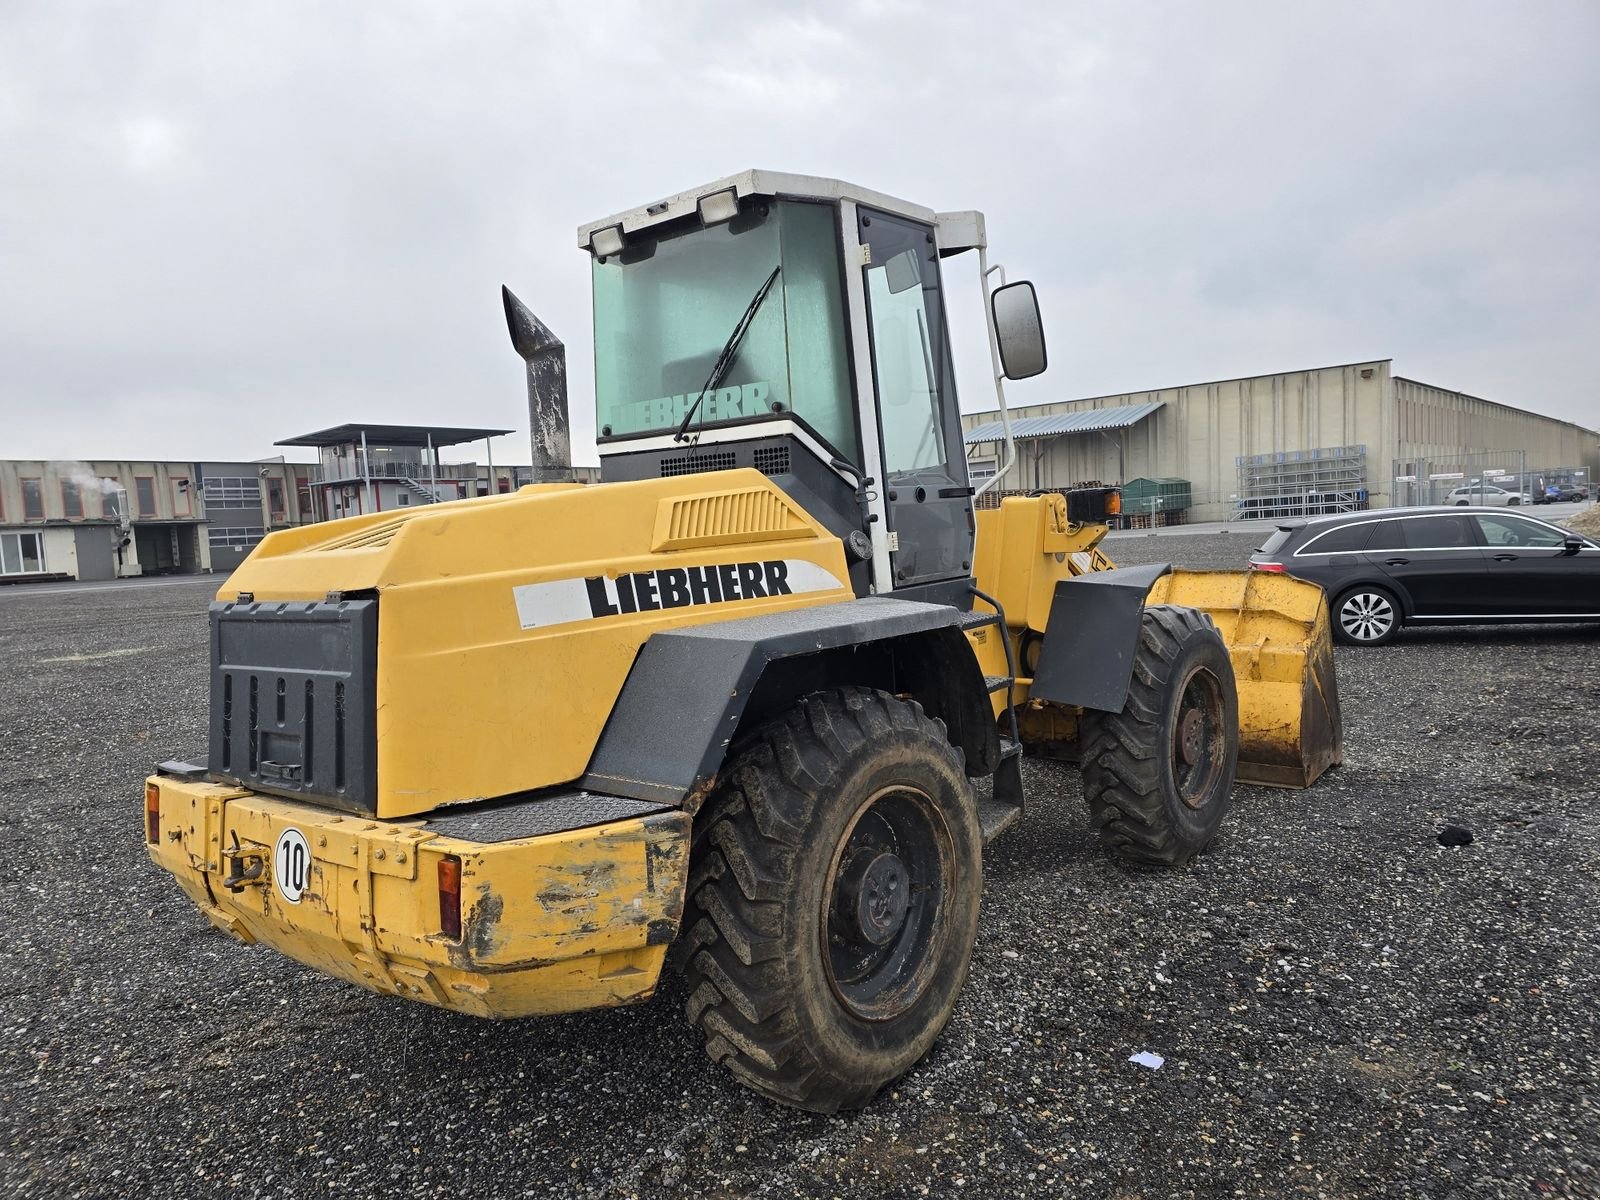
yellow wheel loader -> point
(760, 695)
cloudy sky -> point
(222, 224)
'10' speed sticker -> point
(291, 865)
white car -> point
(1486, 494)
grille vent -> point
(691, 464)
(772, 460)
(753, 515)
(369, 538)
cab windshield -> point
(664, 309)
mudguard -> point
(692, 690)
(1092, 636)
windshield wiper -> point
(725, 360)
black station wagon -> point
(1438, 566)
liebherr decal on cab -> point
(590, 597)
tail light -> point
(152, 813)
(1275, 568)
(450, 896)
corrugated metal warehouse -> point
(1297, 441)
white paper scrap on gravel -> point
(1145, 1059)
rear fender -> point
(692, 692)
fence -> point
(1432, 480)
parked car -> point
(1484, 494)
(1561, 493)
(1437, 566)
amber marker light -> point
(450, 896)
(152, 813)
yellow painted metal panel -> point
(550, 924)
(470, 703)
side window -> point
(1344, 538)
(1514, 531)
(1439, 533)
(908, 390)
(1387, 535)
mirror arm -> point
(1010, 457)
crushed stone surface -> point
(1343, 1006)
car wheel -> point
(1366, 616)
(1461, 504)
(1514, 502)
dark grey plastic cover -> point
(293, 699)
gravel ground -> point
(1345, 1006)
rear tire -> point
(833, 899)
(1158, 775)
(1366, 615)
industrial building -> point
(1292, 443)
(379, 468)
(73, 520)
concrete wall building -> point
(100, 520)
(1250, 446)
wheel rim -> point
(1366, 616)
(883, 909)
(1199, 737)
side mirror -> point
(1018, 329)
(1572, 545)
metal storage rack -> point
(1302, 483)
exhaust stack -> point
(549, 425)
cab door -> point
(924, 465)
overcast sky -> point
(222, 224)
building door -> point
(924, 462)
(96, 546)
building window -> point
(21, 553)
(71, 498)
(111, 495)
(233, 491)
(32, 500)
(145, 488)
(404, 499)
(238, 537)
(275, 497)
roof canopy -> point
(392, 435)
(1088, 420)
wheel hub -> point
(1191, 735)
(875, 895)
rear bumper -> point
(553, 923)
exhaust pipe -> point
(549, 425)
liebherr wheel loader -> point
(742, 698)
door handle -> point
(1505, 558)
(1395, 562)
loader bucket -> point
(1279, 637)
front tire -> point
(833, 900)
(1366, 615)
(1158, 775)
